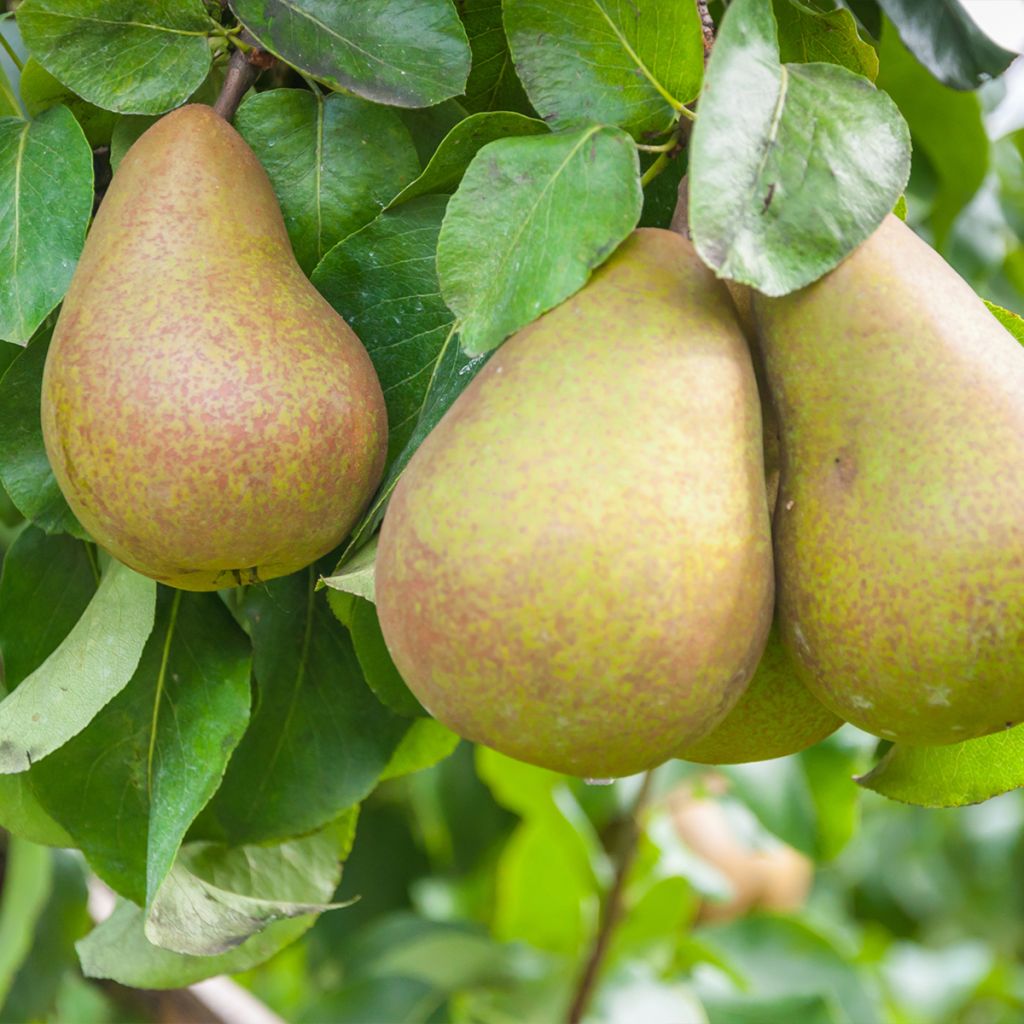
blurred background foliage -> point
(762, 894)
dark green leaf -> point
(119, 55)
(93, 663)
(493, 83)
(530, 221)
(946, 40)
(383, 281)
(27, 883)
(40, 91)
(46, 197)
(807, 36)
(774, 204)
(946, 126)
(24, 468)
(319, 739)
(381, 674)
(951, 776)
(119, 948)
(46, 585)
(631, 63)
(405, 55)
(335, 162)
(460, 145)
(429, 125)
(128, 787)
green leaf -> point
(1011, 321)
(309, 868)
(91, 665)
(379, 670)
(429, 125)
(334, 162)
(809, 1009)
(778, 794)
(460, 145)
(404, 55)
(493, 83)
(27, 883)
(946, 40)
(46, 182)
(383, 281)
(630, 63)
(128, 786)
(425, 743)
(946, 126)
(216, 897)
(807, 36)
(118, 55)
(46, 585)
(828, 767)
(953, 775)
(774, 204)
(358, 577)
(9, 106)
(318, 740)
(40, 91)
(530, 221)
(24, 468)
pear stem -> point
(612, 910)
(243, 70)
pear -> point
(208, 416)
(575, 567)
(899, 532)
(777, 715)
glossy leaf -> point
(772, 205)
(515, 241)
(630, 63)
(318, 740)
(119, 949)
(46, 181)
(40, 91)
(807, 36)
(334, 162)
(93, 663)
(493, 83)
(24, 468)
(405, 54)
(946, 40)
(953, 775)
(383, 281)
(117, 55)
(128, 786)
(946, 126)
(425, 743)
(456, 151)
(380, 671)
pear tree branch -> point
(612, 910)
(707, 27)
(244, 68)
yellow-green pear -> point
(575, 567)
(899, 531)
(208, 416)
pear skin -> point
(208, 416)
(899, 531)
(575, 567)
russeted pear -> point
(777, 715)
(208, 416)
(575, 567)
(899, 533)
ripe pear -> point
(208, 416)
(899, 532)
(575, 567)
(777, 715)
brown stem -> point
(680, 216)
(612, 907)
(243, 70)
(707, 26)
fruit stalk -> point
(244, 68)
